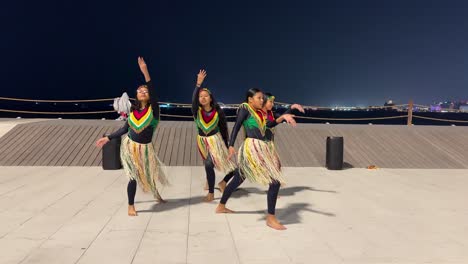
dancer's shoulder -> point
(244, 106)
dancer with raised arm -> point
(212, 138)
(140, 161)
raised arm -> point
(195, 103)
(144, 69)
(154, 98)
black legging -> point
(229, 176)
(272, 195)
(131, 191)
(210, 174)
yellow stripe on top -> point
(202, 120)
(143, 119)
(211, 125)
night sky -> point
(311, 52)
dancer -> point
(256, 161)
(268, 103)
(140, 162)
(212, 138)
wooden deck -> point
(71, 143)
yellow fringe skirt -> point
(214, 147)
(259, 162)
(141, 163)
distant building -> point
(389, 105)
(436, 108)
(464, 108)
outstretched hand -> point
(201, 77)
(298, 107)
(102, 141)
(142, 64)
(290, 119)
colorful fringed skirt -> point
(272, 146)
(141, 163)
(214, 147)
(259, 162)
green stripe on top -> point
(254, 120)
(250, 123)
(207, 127)
(149, 121)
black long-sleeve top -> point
(253, 121)
(271, 120)
(141, 123)
(271, 124)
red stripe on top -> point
(261, 114)
(207, 118)
(270, 116)
(138, 114)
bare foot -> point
(132, 211)
(272, 222)
(222, 186)
(221, 209)
(206, 186)
(209, 197)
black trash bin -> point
(334, 158)
(111, 154)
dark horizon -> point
(335, 53)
